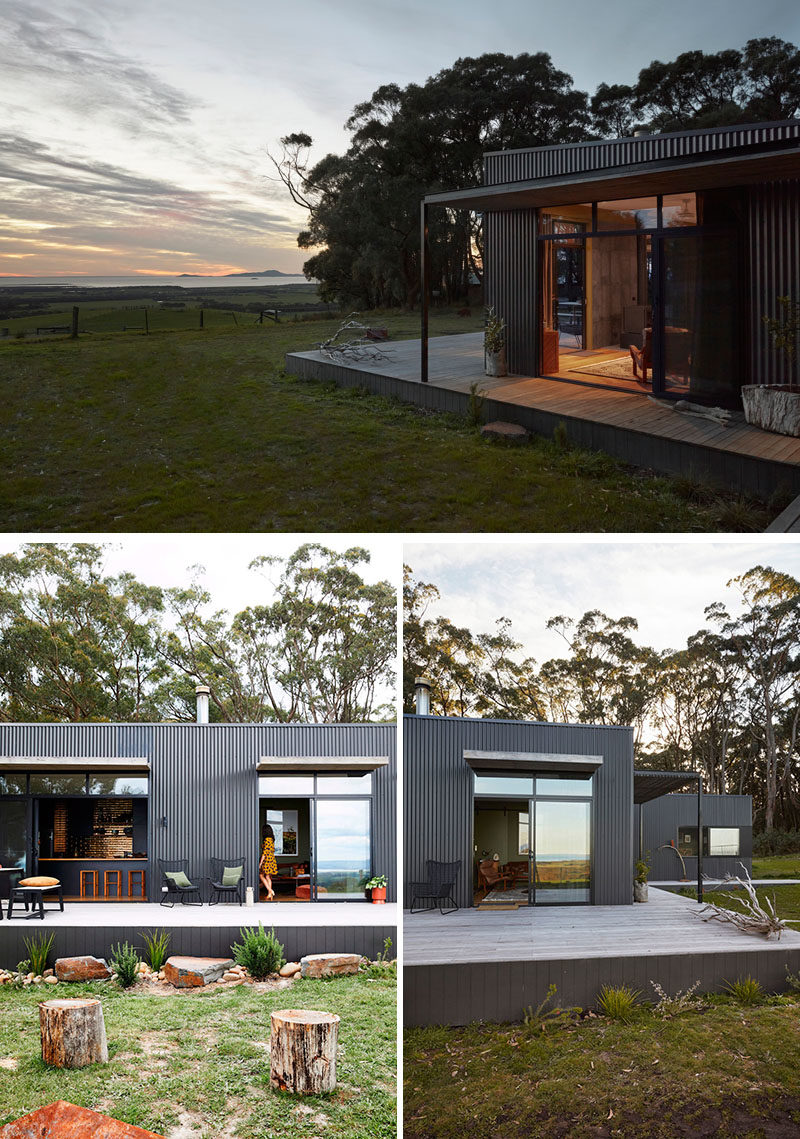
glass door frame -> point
(312, 797)
(658, 234)
(528, 801)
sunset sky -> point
(134, 136)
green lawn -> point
(201, 1061)
(202, 431)
(726, 1071)
(776, 866)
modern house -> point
(98, 805)
(546, 822)
(560, 810)
(643, 264)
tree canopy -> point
(727, 704)
(77, 644)
(363, 206)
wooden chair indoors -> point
(489, 875)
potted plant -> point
(377, 889)
(640, 879)
(776, 407)
(494, 345)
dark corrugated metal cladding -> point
(662, 817)
(203, 780)
(510, 283)
(774, 255)
(438, 802)
(583, 157)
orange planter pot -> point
(378, 895)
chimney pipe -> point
(202, 692)
(422, 695)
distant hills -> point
(256, 273)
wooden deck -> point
(319, 927)
(484, 965)
(633, 427)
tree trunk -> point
(303, 1051)
(73, 1033)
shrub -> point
(618, 1004)
(156, 942)
(668, 1007)
(477, 397)
(548, 1014)
(261, 953)
(776, 842)
(560, 436)
(793, 980)
(39, 948)
(746, 991)
(125, 963)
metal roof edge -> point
(636, 138)
(524, 723)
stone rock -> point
(229, 975)
(82, 969)
(508, 432)
(290, 968)
(329, 964)
(66, 1121)
(51, 980)
(192, 972)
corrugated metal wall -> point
(581, 157)
(203, 779)
(662, 817)
(510, 284)
(774, 255)
(438, 801)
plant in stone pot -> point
(377, 888)
(642, 873)
(494, 344)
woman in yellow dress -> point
(267, 866)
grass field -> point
(197, 1064)
(776, 866)
(203, 431)
(724, 1070)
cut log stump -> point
(303, 1051)
(73, 1033)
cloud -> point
(51, 50)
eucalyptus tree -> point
(606, 678)
(405, 142)
(765, 636)
(76, 643)
(321, 651)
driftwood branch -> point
(756, 918)
(352, 340)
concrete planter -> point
(495, 363)
(773, 408)
(640, 891)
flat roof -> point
(648, 785)
(662, 177)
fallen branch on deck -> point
(756, 918)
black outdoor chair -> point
(182, 891)
(438, 887)
(222, 868)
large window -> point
(718, 842)
(343, 847)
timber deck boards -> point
(667, 924)
(456, 362)
(150, 915)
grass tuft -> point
(617, 1003)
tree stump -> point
(303, 1051)
(73, 1033)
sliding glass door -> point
(562, 852)
(342, 849)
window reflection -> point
(503, 785)
(630, 213)
(343, 784)
(118, 784)
(58, 785)
(678, 210)
(343, 848)
(285, 785)
(13, 785)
